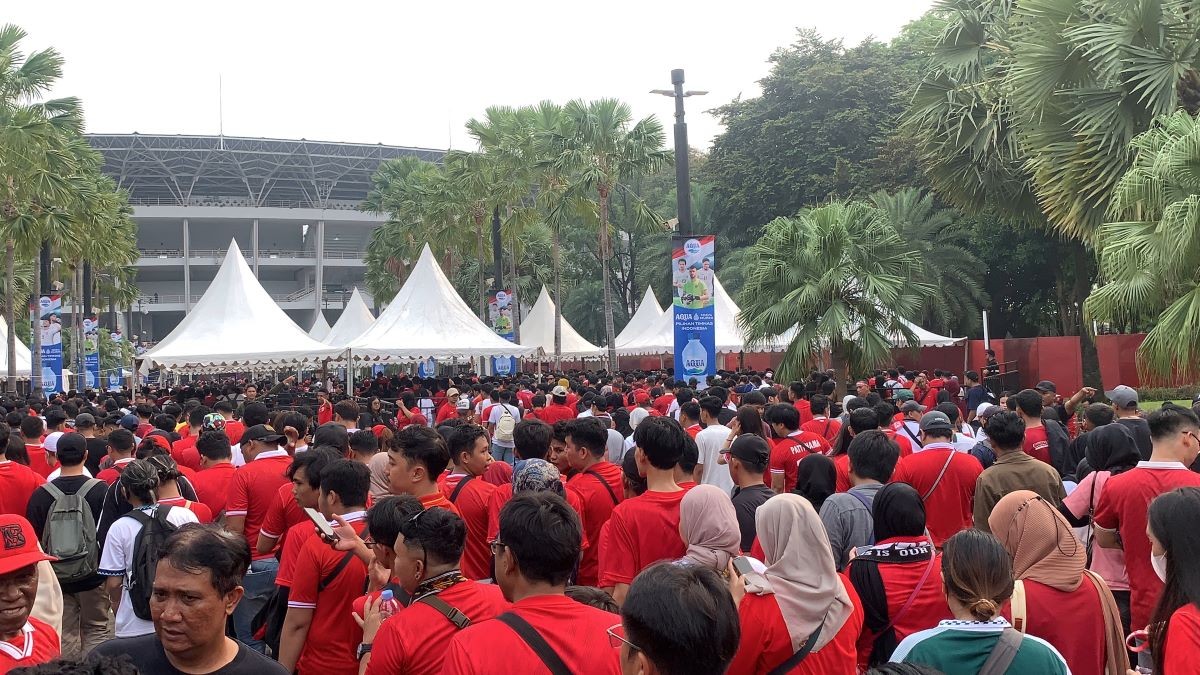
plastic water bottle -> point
(389, 605)
(695, 357)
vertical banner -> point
(91, 351)
(501, 306)
(427, 368)
(47, 315)
(693, 271)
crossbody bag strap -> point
(913, 596)
(1003, 653)
(536, 642)
(1017, 605)
(937, 481)
(910, 434)
(458, 488)
(607, 487)
(456, 617)
(809, 643)
(329, 578)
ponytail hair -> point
(977, 572)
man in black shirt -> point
(1125, 404)
(748, 458)
(86, 606)
(97, 448)
(196, 587)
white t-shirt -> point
(118, 557)
(711, 441)
(58, 472)
(494, 418)
(615, 446)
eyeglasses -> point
(616, 636)
(369, 542)
(1193, 435)
(496, 547)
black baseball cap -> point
(751, 448)
(261, 432)
(1046, 385)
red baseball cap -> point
(20, 544)
(640, 397)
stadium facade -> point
(291, 205)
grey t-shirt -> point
(847, 520)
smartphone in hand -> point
(323, 527)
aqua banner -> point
(501, 306)
(47, 316)
(91, 352)
(693, 277)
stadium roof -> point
(219, 170)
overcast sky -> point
(406, 73)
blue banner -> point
(47, 316)
(427, 368)
(501, 306)
(693, 282)
(91, 352)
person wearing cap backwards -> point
(1065, 408)
(254, 486)
(749, 455)
(558, 409)
(449, 409)
(24, 640)
(1125, 405)
(942, 476)
(197, 585)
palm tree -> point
(599, 149)
(837, 278)
(943, 245)
(1150, 249)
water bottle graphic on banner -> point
(694, 283)
(695, 358)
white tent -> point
(926, 338)
(236, 323)
(355, 320)
(24, 359)
(659, 336)
(427, 318)
(647, 313)
(320, 328)
(537, 331)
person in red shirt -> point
(598, 483)
(820, 424)
(408, 413)
(254, 486)
(17, 483)
(305, 487)
(233, 428)
(663, 400)
(120, 452)
(31, 430)
(324, 408)
(558, 410)
(422, 548)
(1121, 508)
(791, 444)
(183, 451)
(417, 457)
(216, 471)
(538, 548)
(470, 451)
(658, 632)
(323, 588)
(24, 640)
(645, 529)
(802, 404)
(449, 409)
(536, 409)
(858, 421)
(689, 418)
(935, 387)
(944, 477)
(1175, 646)
(800, 591)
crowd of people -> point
(600, 523)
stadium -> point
(291, 205)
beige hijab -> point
(708, 524)
(800, 570)
(380, 487)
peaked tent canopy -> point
(537, 331)
(24, 358)
(926, 338)
(320, 328)
(236, 323)
(355, 320)
(647, 313)
(428, 319)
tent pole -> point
(349, 374)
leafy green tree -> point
(837, 277)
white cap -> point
(983, 406)
(51, 442)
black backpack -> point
(154, 532)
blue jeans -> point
(502, 454)
(259, 583)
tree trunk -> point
(556, 257)
(841, 367)
(1082, 286)
(35, 361)
(10, 306)
(605, 254)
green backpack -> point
(70, 534)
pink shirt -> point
(1109, 563)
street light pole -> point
(683, 185)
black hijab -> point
(1111, 448)
(816, 479)
(898, 511)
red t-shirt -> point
(283, 513)
(503, 493)
(413, 641)
(1122, 506)
(825, 427)
(202, 512)
(841, 464)
(438, 500)
(950, 507)
(643, 530)
(184, 452)
(576, 632)
(333, 635)
(1182, 650)
(448, 411)
(597, 504)
(253, 488)
(526, 398)
(36, 643)
(765, 642)
(1038, 447)
(555, 413)
(324, 415)
(935, 387)
(112, 473)
(663, 403)
(417, 419)
(1081, 639)
(143, 429)
(37, 460)
(212, 485)
(693, 430)
(805, 409)
(293, 543)
(787, 453)
(472, 504)
(17, 483)
(901, 440)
